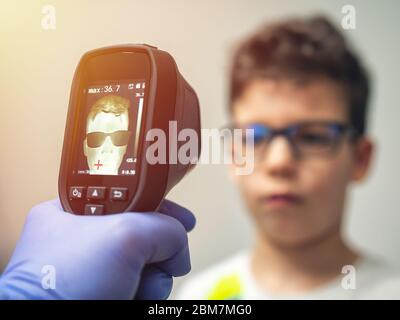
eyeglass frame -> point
(341, 128)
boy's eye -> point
(320, 138)
(258, 138)
(260, 132)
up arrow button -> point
(96, 192)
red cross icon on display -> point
(98, 164)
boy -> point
(303, 91)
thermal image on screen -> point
(112, 127)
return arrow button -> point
(118, 194)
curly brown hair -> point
(302, 49)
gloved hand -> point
(121, 256)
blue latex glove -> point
(121, 256)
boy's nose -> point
(279, 158)
(107, 146)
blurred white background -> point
(36, 69)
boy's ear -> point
(363, 153)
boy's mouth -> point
(277, 200)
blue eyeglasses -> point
(316, 138)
